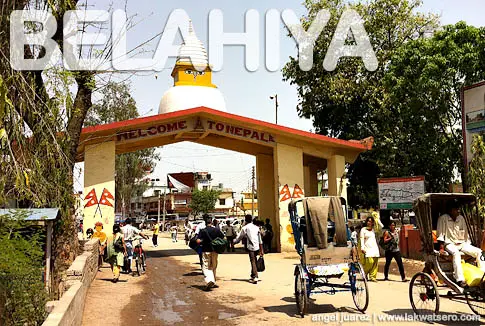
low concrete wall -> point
(69, 309)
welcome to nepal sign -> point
(181, 126)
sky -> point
(246, 93)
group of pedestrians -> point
(370, 249)
(452, 238)
(207, 231)
(117, 250)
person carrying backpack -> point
(211, 239)
(116, 252)
(252, 234)
(391, 246)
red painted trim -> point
(393, 180)
(130, 124)
(482, 83)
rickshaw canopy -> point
(430, 207)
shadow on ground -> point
(291, 310)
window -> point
(222, 201)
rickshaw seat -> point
(449, 258)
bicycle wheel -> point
(475, 298)
(138, 266)
(301, 293)
(358, 286)
(144, 261)
(423, 294)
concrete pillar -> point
(290, 182)
(311, 180)
(336, 170)
(266, 193)
(99, 186)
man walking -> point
(254, 244)
(267, 236)
(129, 233)
(209, 256)
(228, 230)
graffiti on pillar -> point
(91, 198)
(104, 200)
(291, 238)
(297, 192)
(286, 193)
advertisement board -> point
(473, 113)
(400, 193)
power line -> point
(205, 170)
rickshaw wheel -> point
(475, 298)
(301, 293)
(359, 288)
(423, 294)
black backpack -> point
(218, 244)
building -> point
(178, 196)
(226, 202)
(246, 201)
(287, 160)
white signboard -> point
(400, 193)
(473, 116)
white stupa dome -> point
(180, 98)
(183, 97)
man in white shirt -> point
(254, 244)
(229, 232)
(453, 237)
(129, 233)
(200, 226)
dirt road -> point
(171, 293)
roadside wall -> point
(68, 311)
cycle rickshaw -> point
(423, 290)
(322, 240)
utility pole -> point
(252, 192)
(158, 218)
(275, 97)
(164, 206)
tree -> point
(203, 201)
(41, 118)
(476, 173)
(41, 115)
(411, 104)
(424, 84)
(22, 293)
(116, 104)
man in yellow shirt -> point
(102, 237)
(156, 229)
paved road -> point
(170, 293)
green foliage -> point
(203, 201)
(424, 83)
(411, 104)
(117, 104)
(476, 173)
(22, 293)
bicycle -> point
(139, 256)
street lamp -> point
(275, 97)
